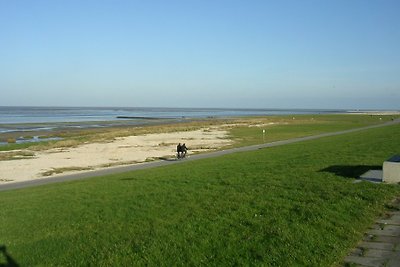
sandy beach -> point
(121, 151)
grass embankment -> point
(293, 205)
(287, 127)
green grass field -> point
(287, 127)
(294, 205)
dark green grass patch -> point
(294, 205)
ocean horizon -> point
(44, 114)
(36, 118)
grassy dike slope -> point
(283, 206)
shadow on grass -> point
(347, 171)
(10, 262)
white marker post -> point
(264, 135)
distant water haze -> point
(9, 115)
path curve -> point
(147, 165)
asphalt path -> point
(147, 165)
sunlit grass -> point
(294, 205)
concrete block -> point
(375, 176)
(391, 170)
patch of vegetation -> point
(118, 163)
(164, 144)
(65, 169)
(150, 159)
(11, 140)
(6, 180)
(15, 155)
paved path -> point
(381, 243)
(147, 165)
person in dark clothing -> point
(178, 150)
(183, 150)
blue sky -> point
(261, 54)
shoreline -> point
(61, 128)
(28, 119)
(23, 133)
(374, 113)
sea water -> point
(48, 118)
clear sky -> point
(199, 53)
